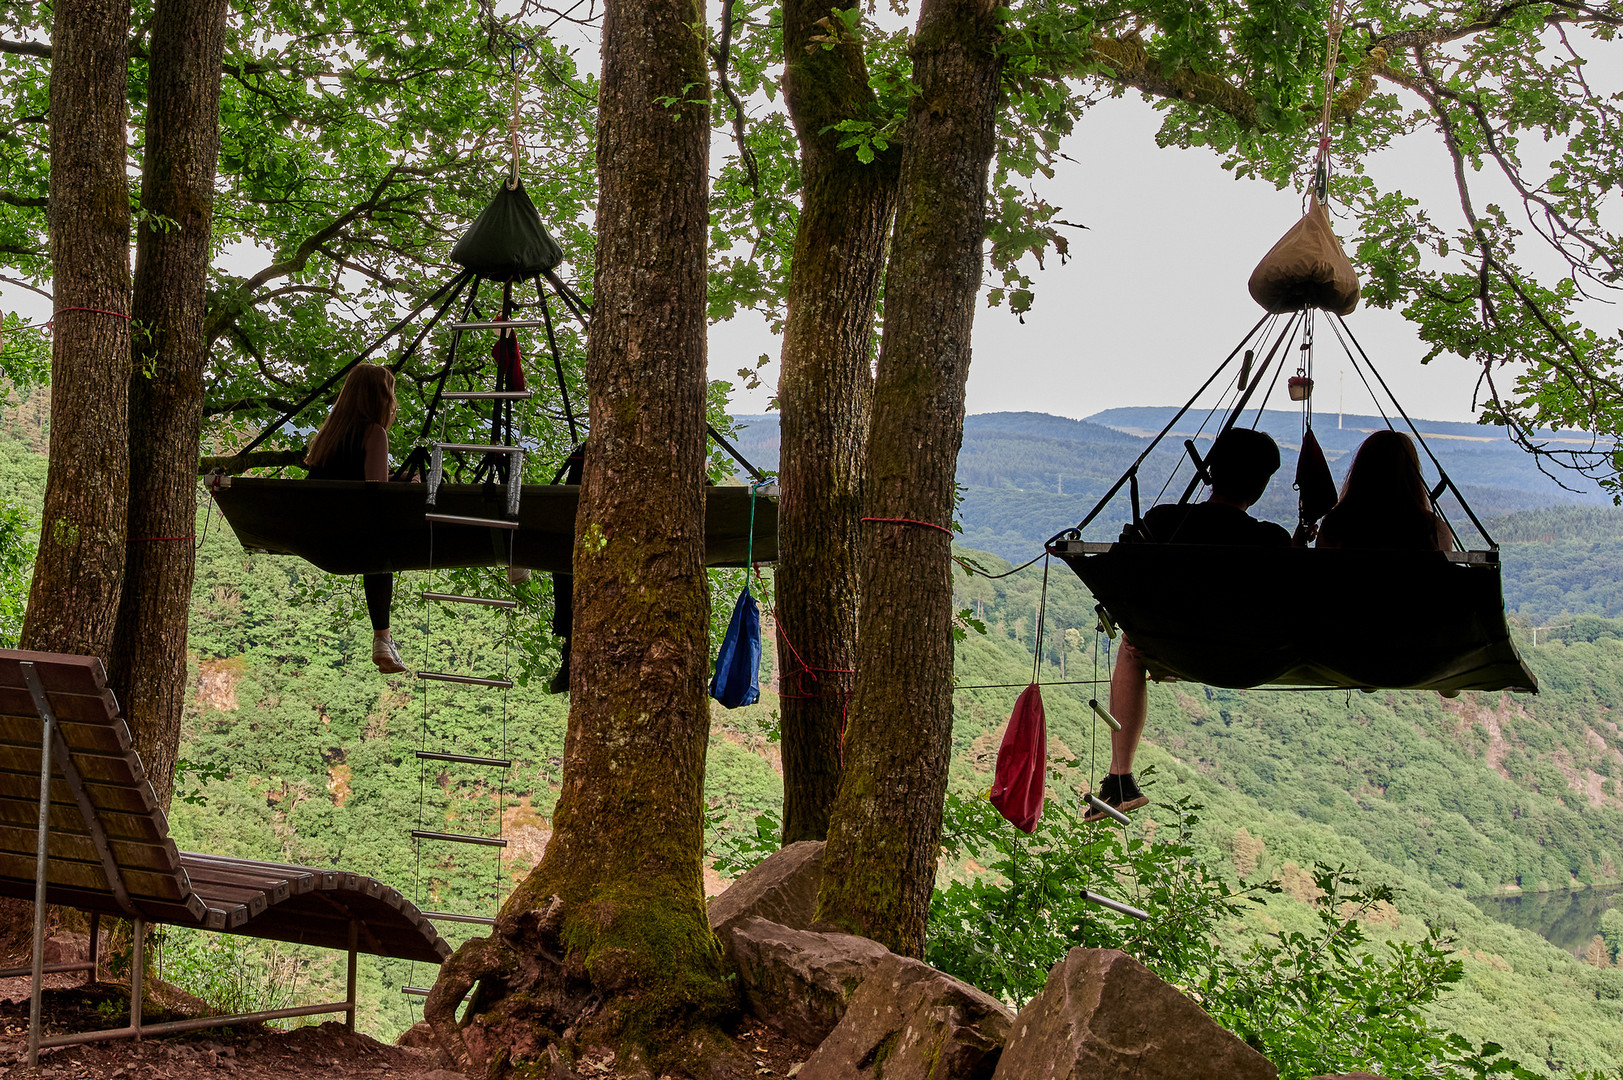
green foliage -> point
(16, 568)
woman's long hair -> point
(1383, 497)
(366, 399)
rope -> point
(1022, 685)
(921, 524)
(49, 323)
(512, 123)
(805, 670)
(1037, 638)
(971, 568)
(1332, 52)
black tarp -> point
(507, 239)
(1243, 617)
(354, 527)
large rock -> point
(908, 1021)
(781, 888)
(1103, 1016)
(799, 981)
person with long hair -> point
(1384, 502)
(353, 444)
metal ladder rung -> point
(487, 523)
(503, 324)
(465, 759)
(415, 991)
(446, 916)
(459, 838)
(487, 395)
(464, 680)
(455, 598)
(479, 448)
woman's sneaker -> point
(1120, 792)
(387, 657)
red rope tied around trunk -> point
(806, 671)
(94, 311)
(910, 521)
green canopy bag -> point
(507, 240)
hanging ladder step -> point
(475, 522)
(446, 916)
(479, 448)
(456, 598)
(465, 759)
(415, 991)
(500, 324)
(459, 838)
(486, 395)
(464, 680)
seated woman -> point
(1384, 502)
(353, 444)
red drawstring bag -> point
(508, 363)
(1022, 762)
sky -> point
(1154, 295)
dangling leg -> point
(1129, 704)
(379, 599)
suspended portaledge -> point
(1241, 617)
(355, 527)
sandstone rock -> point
(908, 1021)
(66, 947)
(419, 1036)
(1103, 1016)
(799, 981)
(782, 888)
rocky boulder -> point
(781, 888)
(908, 1021)
(799, 981)
(1104, 1016)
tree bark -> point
(73, 602)
(618, 897)
(148, 661)
(825, 390)
(885, 833)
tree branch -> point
(236, 464)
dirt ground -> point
(257, 1053)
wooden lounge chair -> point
(92, 837)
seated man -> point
(1240, 465)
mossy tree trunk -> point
(73, 602)
(825, 389)
(148, 659)
(615, 910)
(884, 837)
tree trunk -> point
(825, 390)
(884, 837)
(73, 602)
(618, 897)
(148, 661)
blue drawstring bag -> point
(738, 662)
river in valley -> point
(1565, 919)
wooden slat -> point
(189, 912)
(136, 799)
(206, 877)
(225, 894)
(162, 858)
(89, 877)
(123, 770)
(58, 672)
(297, 879)
(97, 710)
(24, 812)
(101, 738)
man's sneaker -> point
(1120, 792)
(387, 657)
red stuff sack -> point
(1022, 763)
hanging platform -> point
(356, 527)
(1243, 617)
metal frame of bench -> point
(95, 788)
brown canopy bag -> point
(1306, 269)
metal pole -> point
(42, 856)
(137, 964)
(349, 997)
